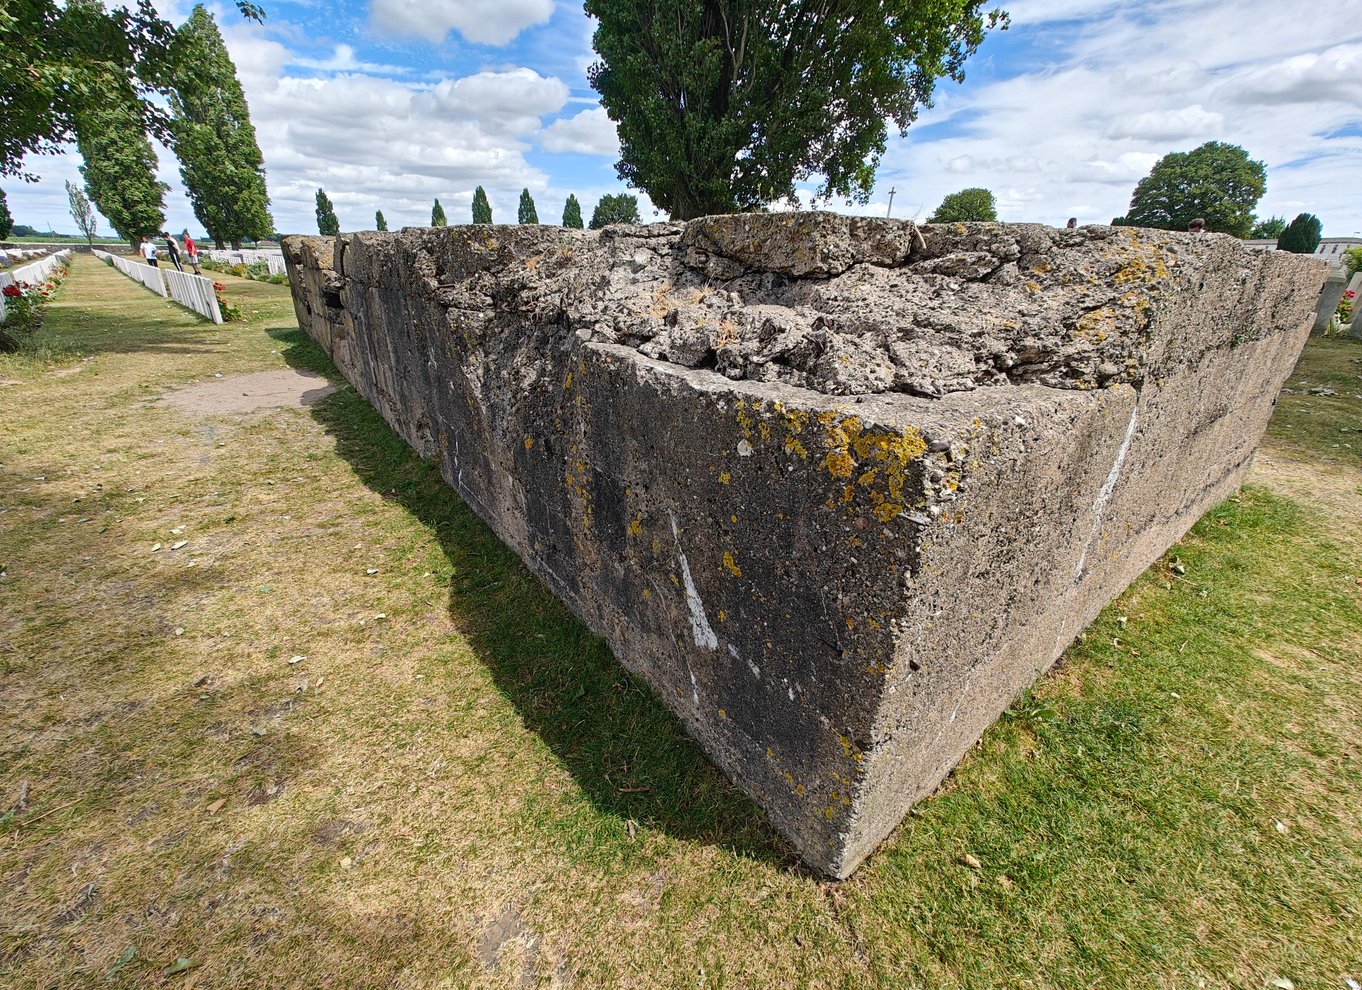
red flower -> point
(1350, 294)
(12, 291)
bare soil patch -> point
(292, 388)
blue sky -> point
(390, 103)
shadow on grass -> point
(627, 752)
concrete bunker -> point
(839, 489)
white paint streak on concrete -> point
(1099, 504)
(699, 623)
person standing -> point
(149, 252)
(191, 252)
(173, 250)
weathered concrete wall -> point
(839, 490)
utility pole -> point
(890, 210)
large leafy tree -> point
(82, 211)
(6, 220)
(328, 225)
(966, 205)
(482, 209)
(572, 213)
(617, 208)
(220, 160)
(120, 165)
(58, 60)
(725, 105)
(379, 222)
(526, 212)
(437, 216)
(1301, 235)
(1269, 228)
(1217, 182)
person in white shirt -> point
(149, 252)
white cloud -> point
(1312, 78)
(486, 22)
(1120, 84)
(1170, 125)
(507, 102)
(343, 60)
(590, 132)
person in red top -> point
(191, 252)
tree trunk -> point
(236, 245)
(218, 242)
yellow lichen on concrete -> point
(731, 564)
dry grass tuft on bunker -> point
(280, 711)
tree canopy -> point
(379, 222)
(437, 215)
(974, 203)
(328, 225)
(6, 220)
(1217, 182)
(617, 208)
(120, 165)
(482, 210)
(725, 106)
(58, 60)
(1271, 227)
(220, 160)
(527, 213)
(1301, 235)
(572, 212)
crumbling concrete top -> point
(856, 306)
(838, 488)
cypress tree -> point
(379, 222)
(328, 225)
(437, 215)
(527, 213)
(220, 160)
(482, 210)
(120, 165)
(572, 213)
(1301, 235)
(6, 221)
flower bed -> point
(23, 307)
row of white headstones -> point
(190, 291)
(31, 274)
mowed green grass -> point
(459, 787)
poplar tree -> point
(379, 222)
(120, 165)
(482, 210)
(82, 212)
(527, 213)
(572, 213)
(220, 161)
(437, 215)
(726, 106)
(6, 220)
(328, 225)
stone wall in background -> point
(838, 489)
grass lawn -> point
(459, 787)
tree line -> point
(77, 71)
(613, 208)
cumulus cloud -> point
(1170, 125)
(1315, 77)
(342, 59)
(590, 132)
(485, 22)
(1131, 82)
